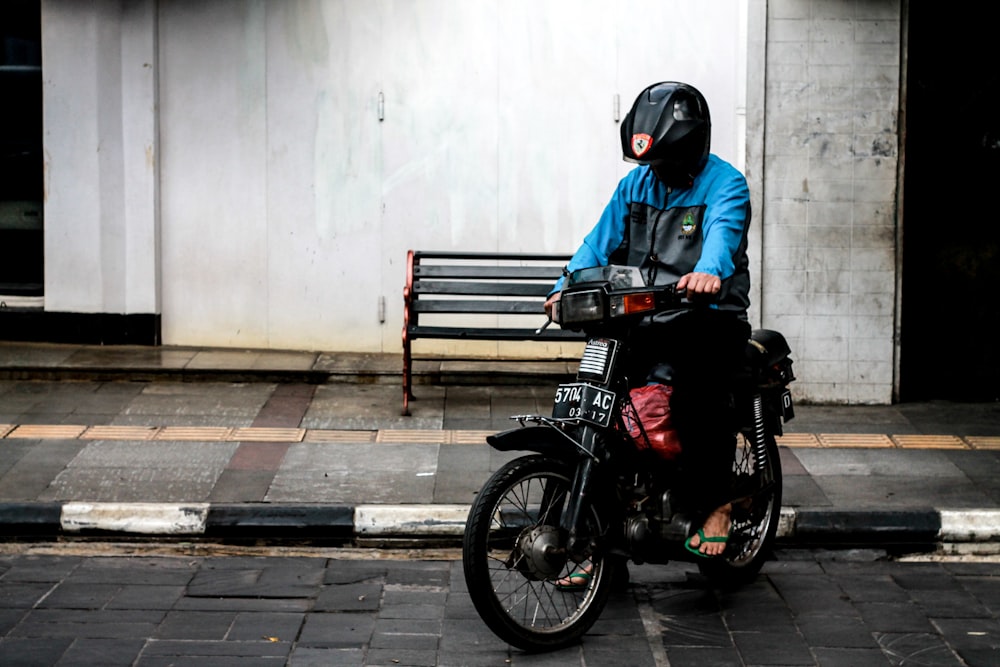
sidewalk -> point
(261, 445)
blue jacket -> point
(669, 233)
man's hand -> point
(549, 303)
(700, 284)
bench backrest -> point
(479, 283)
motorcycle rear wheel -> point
(755, 515)
(513, 555)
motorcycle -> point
(590, 498)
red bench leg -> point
(407, 376)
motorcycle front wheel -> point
(756, 511)
(515, 560)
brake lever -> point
(542, 328)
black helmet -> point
(669, 129)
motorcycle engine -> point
(644, 526)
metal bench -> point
(477, 283)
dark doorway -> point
(951, 221)
(21, 177)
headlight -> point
(581, 307)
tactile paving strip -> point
(929, 441)
(419, 436)
(322, 435)
(267, 434)
(41, 431)
(437, 436)
(470, 437)
(798, 440)
(867, 440)
(983, 441)
(120, 433)
(211, 433)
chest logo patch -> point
(688, 225)
(641, 143)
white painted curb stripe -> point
(969, 525)
(373, 520)
(139, 518)
(786, 523)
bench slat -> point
(490, 256)
(483, 289)
(460, 333)
(421, 272)
(487, 307)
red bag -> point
(651, 408)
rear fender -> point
(542, 439)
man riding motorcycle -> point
(682, 216)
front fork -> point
(573, 520)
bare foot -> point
(716, 525)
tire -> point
(510, 582)
(755, 515)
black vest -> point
(666, 245)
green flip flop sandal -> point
(577, 581)
(701, 536)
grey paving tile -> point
(93, 623)
(808, 594)
(893, 617)
(161, 571)
(767, 648)
(28, 478)
(241, 486)
(950, 604)
(901, 492)
(146, 597)
(86, 652)
(372, 407)
(38, 569)
(851, 657)
(195, 625)
(835, 631)
(877, 588)
(195, 652)
(23, 595)
(70, 595)
(340, 486)
(154, 454)
(411, 611)
(265, 626)
(880, 462)
(132, 485)
(32, 652)
(326, 630)
(327, 657)
(402, 656)
(925, 648)
(349, 597)
(681, 656)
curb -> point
(435, 523)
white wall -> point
(101, 212)
(287, 206)
(224, 163)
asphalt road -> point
(188, 604)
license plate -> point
(583, 401)
(787, 410)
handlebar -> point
(603, 302)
